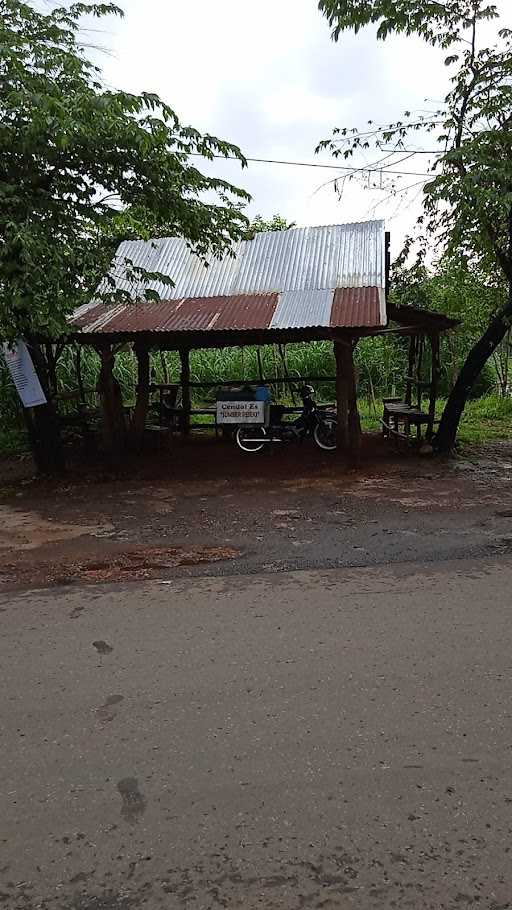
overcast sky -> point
(266, 76)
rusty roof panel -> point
(343, 308)
(234, 313)
(87, 314)
(357, 308)
(190, 314)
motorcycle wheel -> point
(325, 434)
(248, 439)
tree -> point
(81, 168)
(260, 225)
(460, 292)
(468, 200)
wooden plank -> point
(226, 383)
(185, 390)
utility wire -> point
(414, 151)
(333, 167)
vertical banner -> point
(24, 376)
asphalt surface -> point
(324, 738)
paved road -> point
(337, 739)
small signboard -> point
(241, 412)
(24, 376)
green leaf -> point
(84, 168)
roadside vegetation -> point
(381, 364)
(86, 166)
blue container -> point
(262, 393)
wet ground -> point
(319, 739)
(207, 509)
(268, 683)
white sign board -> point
(24, 376)
(241, 412)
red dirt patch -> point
(133, 565)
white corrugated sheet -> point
(300, 259)
(302, 309)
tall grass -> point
(381, 364)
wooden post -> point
(165, 371)
(185, 390)
(341, 397)
(387, 257)
(51, 361)
(410, 369)
(346, 394)
(114, 427)
(434, 381)
(79, 376)
(354, 423)
(142, 400)
(421, 345)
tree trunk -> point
(114, 426)
(475, 361)
(142, 402)
(43, 422)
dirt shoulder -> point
(204, 508)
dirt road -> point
(309, 739)
(210, 511)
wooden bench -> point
(396, 412)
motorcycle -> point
(312, 421)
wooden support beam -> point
(51, 367)
(434, 344)
(79, 376)
(387, 255)
(349, 433)
(341, 398)
(410, 369)
(142, 400)
(114, 427)
(421, 347)
(185, 390)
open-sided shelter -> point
(328, 282)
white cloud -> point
(295, 104)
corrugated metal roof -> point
(343, 308)
(300, 278)
(357, 308)
(190, 314)
(309, 258)
(302, 309)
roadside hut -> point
(303, 284)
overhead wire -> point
(368, 169)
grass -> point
(13, 442)
(485, 420)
